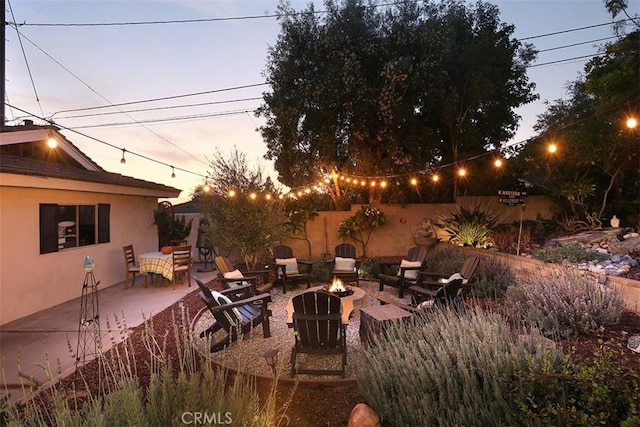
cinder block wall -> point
(396, 236)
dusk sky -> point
(79, 67)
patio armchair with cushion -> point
(447, 294)
(408, 270)
(289, 269)
(232, 277)
(344, 265)
(234, 314)
(433, 280)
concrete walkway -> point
(44, 345)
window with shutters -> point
(69, 226)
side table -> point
(373, 319)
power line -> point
(164, 98)
(140, 110)
(109, 144)
(103, 97)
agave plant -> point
(470, 227)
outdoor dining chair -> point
(181, 263)
(131, 267)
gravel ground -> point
(247, 355)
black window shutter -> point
(104, 223)
(48, 228)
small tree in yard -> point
(297, 222)
(361, 225)
(239, 211)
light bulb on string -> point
(383, 184)
(497, 163)
(462, 172)
(173, 172)
(435, 178)
(52, 142)
(123, 161)
(632, 123)
(414, 181)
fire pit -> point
(338, 289)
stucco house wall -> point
(31, 281)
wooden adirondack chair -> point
(407, 272)
(318, 329)
(446, 294)
(236, 317)
(344, 265)
(232, 277)
(290, 269)
(432, 280)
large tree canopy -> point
(596, 167)
(389, 89)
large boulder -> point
(363, 416)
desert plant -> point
(572, 253)
(439, 370)
(469, 227)
(361, 225)
(369, 268)
(563, 302)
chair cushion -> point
(291, 264)
(410, 274)
(235, 274)
(457, 276)
(348, 264)
(234, 316)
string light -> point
(435, 178)
(632, 123)
(252, 196)
(206, 187)
(414, 181)
(462, 172)
(552, 148)
(123, 161)
(498, 163)
(52, 142)
(232, 193)
(173, 172)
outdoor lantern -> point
(271, 357)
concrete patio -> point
(42, 345)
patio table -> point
(157, 263)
